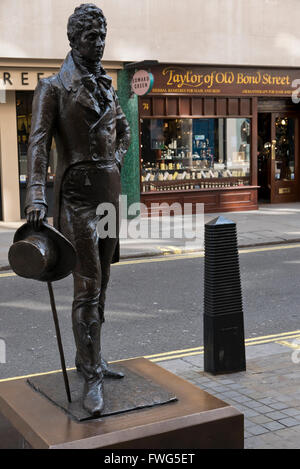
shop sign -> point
(142, 82)
(22, 80)
(224, 81)
(284, 190)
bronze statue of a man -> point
(79, 108)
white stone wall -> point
(245, 32)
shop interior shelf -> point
(195, 184)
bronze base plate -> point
(132, 392)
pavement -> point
(268, 392)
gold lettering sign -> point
(284, 190)
(223, 81)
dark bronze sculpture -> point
(79, 107)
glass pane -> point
(285, 148)
(180, 154)
(23, 101)
(238, 147)
(24, 112)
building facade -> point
(221, 122)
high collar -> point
(87, 68)
(71, 76)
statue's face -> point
(92, 41)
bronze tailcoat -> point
(64, 107)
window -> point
(24, 112)
(182, 154)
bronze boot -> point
(88, 361)
(93, 401)
(107, 371)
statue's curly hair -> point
(82, 16)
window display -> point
(187, 154)
(24, 107)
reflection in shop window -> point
(285, 148)
(183, 154)
(24, 113)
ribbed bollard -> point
(224, 346)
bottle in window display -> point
(210, 158)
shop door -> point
(284, 161)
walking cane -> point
(44, 244)
(59, 342)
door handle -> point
(273, 148)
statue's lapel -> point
(72, 81)
(84, 97)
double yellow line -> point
(171, 253)
(278, 338)
(159, 357)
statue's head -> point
(87, 31)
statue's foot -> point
(108, 372)
(93, 401)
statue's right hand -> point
(35, 215)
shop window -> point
(24, 113)
(183, 154)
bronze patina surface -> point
(131, 393)
(79, 108)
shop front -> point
(226, 137)
(18, 79)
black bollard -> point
(224, 343)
